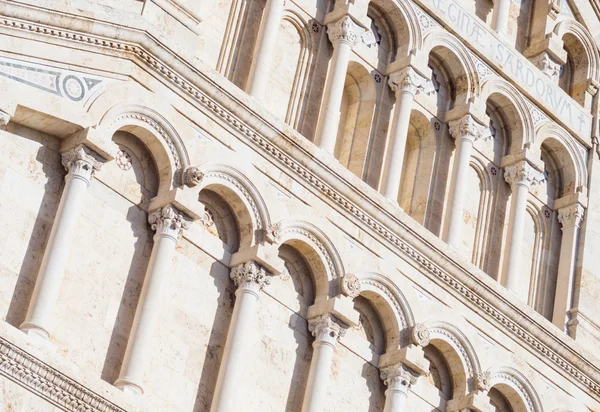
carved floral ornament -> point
(407, 80)
(273, 233)
(421, 335)
(192, 176)
(344, 30)
(582, 376)
(483, 381)
(350, 285)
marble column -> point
(262, 60)
(81, 164)
(500, 16)
(405, 84)
(570, 218)
(465, 132)
(169, 225)
(398, 380)
(249, 278)
(520, 176)
(326, 330)
(343, 34)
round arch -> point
(458, 352)
(241, 195)
(515, 387)
(404, 25)
(513, 108)
(392, 307)
(457, 62)
(570, 26)
(319, 252)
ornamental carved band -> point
(350, 285)
(408, 81)
(80, 161)
(397, 377)
(326, 329)
(421, 335)
(467, 128)
(168, 221)
(250, 275)
(345, 30)
(570, 216)
(522, 173)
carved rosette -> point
(273, 233)
(397, 377)
(80, 162)
(344, 30)
(483, 381)
(420, 335)
(168, 221)
(467, 128)
(570, 216)
(250, 276)
(192, 177)
(350, 286)
(522, 173)
(326, 329)
(407, 81)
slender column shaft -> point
(344, 33)
(81, 166)
(406, 84)
(326, 332)
(250, 279)
(169, 225)
(500, 17)
(465, 131)
(520, 176)
(265, 49)
(398, 380)
(570, 219)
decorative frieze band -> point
(387, 236)
(48, 383)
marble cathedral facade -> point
(300, 205)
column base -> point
(32, 329)
(128, 386)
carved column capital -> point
(81, 163)
(522, 173)
(344, 30)
(169, 222)
(570, 216)
(250, 276)
(407, 80)
(398, 377)
(326, 329)
(468, 128)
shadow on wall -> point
(301, 363)
(129, 300)
(39, 236)
(218, 337)
(375, 386)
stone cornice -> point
(50, 384)
(460, 279)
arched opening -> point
(440, 375)
(574, 74)
(288, 69)
(356, 119)
(498, 401)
